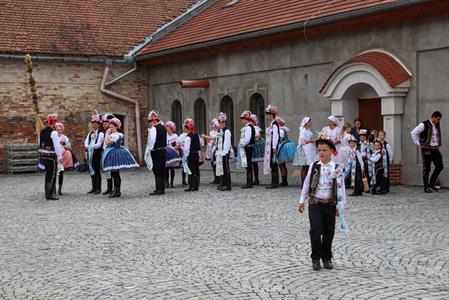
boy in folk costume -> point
(356, 168)
(223, 142)
(93, 144)
(246, 147)
(377, 169)
(180, 147)
(173, 158)
(271, 145)
(387, 158)
(157, 143)
(105, 118)
(324, 189)
(366, 149)
(259, 149)
(50, 152)
(191, 157)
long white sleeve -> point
(306, 187)
(415, 133)
(86, 141)
(152, 138)
(187, 146)
(275, 136)
(247, 139)
(100, 140)
(375, 157)
(390, 152)
(58, 148)
(227, 142)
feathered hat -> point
(96, 118)
(222, 118)
(60, 125)
(255, 119)
(171, 125)
(214, 123)
(188, 123)
(116, 122)
(51, 119)
(272, 110)
(106, 117)
(153, 116)
(246, 115)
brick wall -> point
(396, 174)
(73, 91)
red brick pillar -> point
(395, 174)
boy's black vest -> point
(45, 138)
(223, 139)
(315, 180)
(252, 141)
(426, 136)
(194, 143)
(161, 137)
(99, 150)
(279, 133)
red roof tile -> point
(247, 16)
(82, 27)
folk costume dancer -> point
(271, 146)
(387, 159)
(366, 149)
(157, 144)
(356, 168)
(212, 147)
(172, 156)
(105, 118)
(286, 150)
(246, 147)
(306, 150)
(222, 154)
(377, 169)
(180, 148)
(259, 149)
(50, 154)
(324, 189)
(427, 135)
(116, 157)
(67, 156)
(190, 156)
(93, 144)
(334, 133)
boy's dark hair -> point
(379, 142)
(437, 114)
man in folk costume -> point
(157, 144)
(247, 142)
(190, 159)
(427, 135)
(222, 154)
(93, 144)
(356, 167)
(271, 146)
(324, 188)
(50, 153)
(105, 119)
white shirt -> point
(420, 128)
(333, 134)
(58, 148)
(187, 141)
(152, 137)
(100, 140)
(375, 156)
(275, 135)
(390, 152)
(365, 148)
(226, 142)
(324, 189)
(257, 130)
(115, 136)
(247, 138)
(171, 139)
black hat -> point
(327, 142)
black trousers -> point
(322, 230)
(117, 179)
(249, 168)
(51, 168)
(430, 156)
(225, 179)
(96, 163)
(159, 169)
(274, 169)
(380, 180)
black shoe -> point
(219, 187)
(225, 188)
(60, 191)
(428, 190)
(116, 193)
(91, 191)
(355, 194)
(272, 186)
(433, 188)
(107, 192)
(246, 186)
(188, 189)
(316, 265)
(328, 264)
(256, 182)
(157, 193)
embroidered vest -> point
(426, 136)
(315, 180)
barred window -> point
(176, 115)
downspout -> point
(129, 100)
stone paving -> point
(249, 244)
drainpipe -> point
(129, 100)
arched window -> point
(257, 107)
(199, 109)
(176, 114)
(227, 106)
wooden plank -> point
(26, 147)
(23, 154)
(22, 162)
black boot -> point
(284, 181)
(274, 181)
(249, 181)
(196, 183)
(97, 184)
(109, 190)
(60, 190)
(159, 186)
(61, 180)
(92, 190)
(167, 185)
(190, 188)
(184, 178)
(116, 192)
(49, 195)
(172, 178)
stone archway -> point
(371, 74)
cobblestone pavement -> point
(244, 244)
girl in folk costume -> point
(387, 157)
(156, 151)
(377, 169)
(333, 133)
(67, 156)
(105, 118)
(366, 149)
(272, 135)
(343, 149)
(222, 154)
(259, 149)
(116, 157)
(246, 147)
(173, 159)
(286, 150)
(190, 158)
(356, 168)
(94, 147)
(306, 150)
(180, 148)
(212, 147)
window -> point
(227, 106)
(257, 107)
(199, 109)
(176, 115)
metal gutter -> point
(295, 26)
(170, 26)
(120, 77)
(64, 58)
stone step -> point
(22, 162)
(23, 147)
(23, 154)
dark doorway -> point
(257, 107)
(176, 115)
(370, 112)
(199, 109)
(227, 106)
